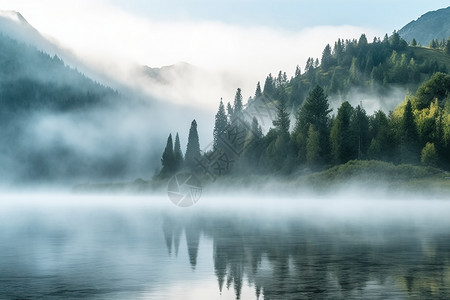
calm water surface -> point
(146, 248)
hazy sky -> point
(240, 41)
(381, 15)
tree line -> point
(415, 132)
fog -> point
(146, 247)
(372, 100)
(114, 43)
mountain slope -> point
(432, 25)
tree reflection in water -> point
(300, 259)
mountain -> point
(432, 25)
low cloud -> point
(230, 56)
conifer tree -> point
(315, 110)
(193, 147)
(282, 121)
(409, 137)
(167, 160)
(220, 125)
(238, 106)
(258, 92)
(178, 155)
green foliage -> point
(318, 140)
(359, 124)
(409, 136)
(282, 122)
(24, 86)
(314, 111)
(220, 125)
(342, 137)
(178, 155)
(429, 156)
(258, 92)
(371, 172)
(237, 107)
(438, 87)
(168, 159)
(313, 158)
(192, 148)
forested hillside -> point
(31, 79)
(416, 132)
(357, 64)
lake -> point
(236, 247)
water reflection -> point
(158, 252)
(300, 259)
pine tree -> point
(409, 137)
(178, 155)
(220, 125)
(258, 92)
(359, 123)
(269, 87)
(193, 147)
(414, 42)
(168, 159)
(312, 147)
(315, 110)
(447, 47)
(341, 136)
(283, 121)
(327, 58)
(433, 44)
(237, 107)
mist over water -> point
(129, 247)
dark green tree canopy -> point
(220, 124)
(238, 106)
(282, 122)
(314, 111)
(178, 155)
(168, 158)
(193, 147)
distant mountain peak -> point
(14, 16)
(431, 25)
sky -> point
(234, 43)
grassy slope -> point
(432, 54)
(376, 173)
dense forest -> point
(33, 80)
(417, 131)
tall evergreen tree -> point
(178, 155)
(315, 110)
(238, 106)
(168, 158)
(359, 123)
(312, 147)
(341, 136)
(327, 58)
(193, 147)
(269, 87)
(258, 92)
(409, 136)
(220, 124)
(447, 47)
(282, 121)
